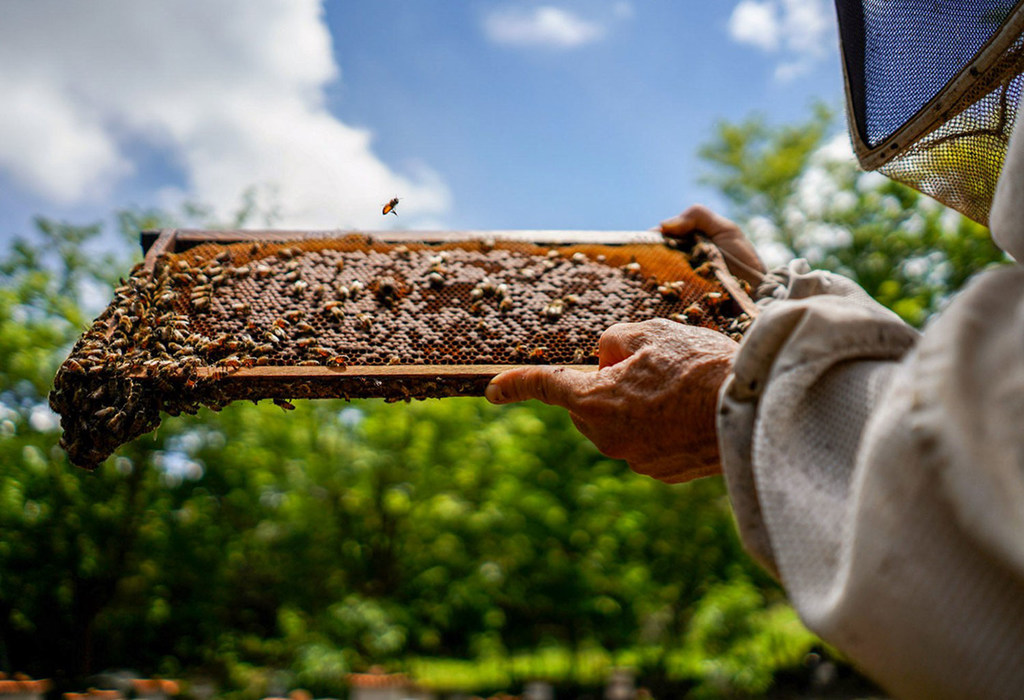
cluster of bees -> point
(143, 354)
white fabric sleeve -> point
(880, 476)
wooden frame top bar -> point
(183, 239)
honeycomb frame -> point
(387, 314)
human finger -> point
(617, 343)
(738, 251)
(698, 218)
(558, 386)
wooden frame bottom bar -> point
(392, 382)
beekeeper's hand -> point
(739, 252)
(651, 402)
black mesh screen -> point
(933, 93)
(905, 52)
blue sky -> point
(498, 114)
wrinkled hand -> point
(651, 402)
(739, 253)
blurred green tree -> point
(264, 548)
(799, 193)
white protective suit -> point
(879, 472)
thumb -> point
(558, 386)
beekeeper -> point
(878, 472)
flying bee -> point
(389, 208)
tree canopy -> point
(476, 546)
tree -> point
(250, 543)
(270, 549)
(796, 187)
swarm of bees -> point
(176, 330)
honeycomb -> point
(353, 316)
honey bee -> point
(553, 311)
(389, 208)
(693, 312)
(706, 270)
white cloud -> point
(546, 26)
(799, 32)
(50, 147)
(232, 92)
(755, 23)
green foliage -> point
(267, 548)
(473, 546)
(902, 247)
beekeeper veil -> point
(932, 88)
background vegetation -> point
(476, 547)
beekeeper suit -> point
(880, 472)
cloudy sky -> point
(495, 114)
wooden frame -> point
(287, 381)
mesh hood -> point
(932, 92)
